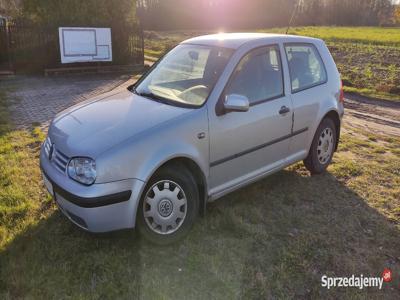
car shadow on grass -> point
(272, 239)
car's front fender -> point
(140, 156)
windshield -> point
(186, 75)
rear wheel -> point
(322, 147)
(169, 205)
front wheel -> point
(322, 147)
(169, 205)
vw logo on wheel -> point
(165, 207)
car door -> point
(308, 78)
(246, 144)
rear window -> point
(305, 66)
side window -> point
(305, 65)
(258, 76)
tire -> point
(324, 139)
(171, 198)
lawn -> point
(364, 35)
(367, 57)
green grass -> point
(21, 193)
(364, 35)
(273, 239)
(152, 53)
(368, 58)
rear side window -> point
(305, 65)
(258, 76)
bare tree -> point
(204, 14)
(10, 7)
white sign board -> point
(84, 44)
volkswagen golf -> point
(214, 114)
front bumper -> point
(96, 208)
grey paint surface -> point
(130, 137)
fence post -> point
(142, 41)
(8, 43)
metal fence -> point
(27, 47)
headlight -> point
(82, 169)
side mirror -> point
(235, 102)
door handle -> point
(284, 110)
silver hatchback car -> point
(214, 114)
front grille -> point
(60, 160)
(47, 146)
(57, 158)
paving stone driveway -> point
(38, 99)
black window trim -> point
(219, 110)
(295, 91)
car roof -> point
(235, 40)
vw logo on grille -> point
(51, 152)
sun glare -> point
(221, 35)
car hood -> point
(94, 126)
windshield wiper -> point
(153, 97)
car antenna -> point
(293, 15)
